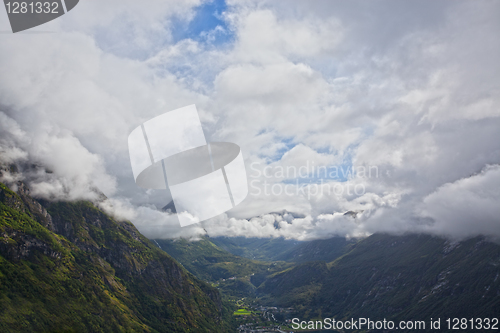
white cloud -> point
(411, 88)
(466, 207)
(54, 163)
(263, 38)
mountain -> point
(280, 249)
(415, 277)
(264, 249)
(207, 261)
(409, 277)
(67, 266)
(318, 250)
(234, 275)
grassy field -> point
(242, 312)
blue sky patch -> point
(207, 26)
(289, 144)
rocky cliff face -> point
(68, 266)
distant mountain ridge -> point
(234, 275)
(264, 249)
(67, 266)
(408, 277)
(401, 277)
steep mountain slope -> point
(234, 275)
(70, 267)
(207, 261)
(411, 277)
(401, 277)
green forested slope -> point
(70, 267)
(209, 262)
(400, 277)
(234, 275)
(411, 277)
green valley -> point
(69, 266)
(408, 277)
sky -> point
(388, 109)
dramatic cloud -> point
(467, 206)
(389, 110)
(53, 162)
